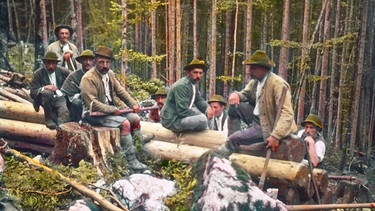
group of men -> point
(71, 86)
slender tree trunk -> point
(10, 22)
(234, 43)
(44, 24)
(195, 35)
(358, 78)
(283, 61)
(79, 41)
(302, 91)
(212, 69)
(228, 36)
(171, 41)
(17, 22)
(153, 40)
(249, 31)
(124, 63)
(178, 39)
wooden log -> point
(26, 146)
(207, 138)
(19, 92)
(20, 112)
(13, 97)
(32, 132)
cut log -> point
(26, 146)
(20, 112)
(75, 142)
(13, 97)
(19, 92)
(27, 131)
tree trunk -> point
(20, 112)
(249, 34)
(171, 42)
(124, 63)
(212, 69)
(153, 41)
(283, 61)
(234, 45)
(44, 24)
(178, 40)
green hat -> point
(259, 58)
(51, 56)
(104, 51)
(313, 119)
(196, 63)
(57, 29)
(159, 92)
(85, 54)
(219, 99)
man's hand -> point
(210, 112)
(50, 87)
(117, 112)
(309, 140)
(272, 143)
(67, 56)
(234, 99)
(136, 108)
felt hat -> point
(219, 99)
(196, 63)
(259, 58)
(51, 56)
(57, 29)
(85, 54)
(313, 119)
(159, 92)
(104, 51)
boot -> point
(223, 149)
(144, 139)
(130, 154)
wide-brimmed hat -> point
(219, 99)
(104, 51)
(85, 54)
(159, 92)
(57, 29)
(313, 119)
(51, 56)
(259, 58)
(196, 63)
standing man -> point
(257, 105)
(71, 85)
(65, 50)
(219, 121)
(184, 108)
(159, 97)
(314, 140)
(45, 91)
(99, 88)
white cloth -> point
(52, 78)
(105, 80)
(259, 89)
(193, 98)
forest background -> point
(323, 48)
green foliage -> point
(140, 89)
(137, 56)
(181, 173)
(117, 165)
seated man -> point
(159, 97)
(99, 87)
(45, 91)
(219, 120)
(316, 147)
(71, 85)
(184, 108)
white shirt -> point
(259, 89)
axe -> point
(122, 111)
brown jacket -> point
(93, 92)
(268, 103)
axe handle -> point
(122, 111)
(268, 155)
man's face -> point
(257, 72)
(50, 65)
(103, 64)
(217, 107)
(64, 35)
(310, 129)
(87, 63)
(160, 99)
(195, 74)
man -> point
(65, 50)
(219, 120)
(257, 105)
(71, 85)
(316, 147)
(99, 88)
(45, 91)
(159, 97)
(184, 108)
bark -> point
(80, 25)
(234, 44)
(27, 146)
(153, 40)
(178, 40)
(228, 36)
(212, 69)
(283, 61)
(195, 34)
(21, 112)
(20, 93)
(13, 97)
(249, 30)
(124, 64)
(44, 24)
(171, 42)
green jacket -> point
(93, 92)
(178, 101)
(268, 103)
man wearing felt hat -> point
(159, 96)
(219, 121)
(185, 109)
(71, 85)
(45, 91)
(65, 50)
(314, 140)
(99, 88)
(257, 106)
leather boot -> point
(130, 154)
(144, 139)
(223, 149)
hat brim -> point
(80, 58)
(57, 29)
(192, 66)
(153, 96)
(55, 60)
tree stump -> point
(76, 142)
